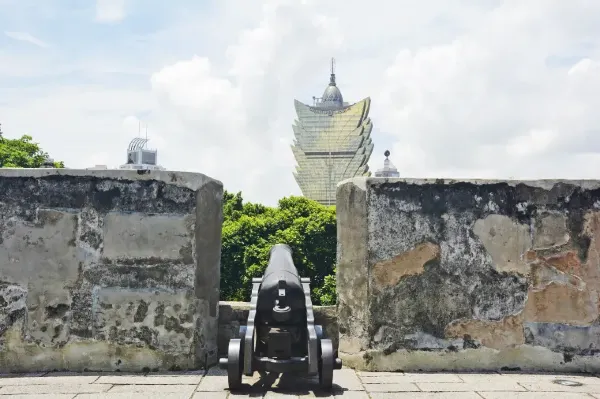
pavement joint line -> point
(524, 387)
(198, 385)
(459, 374)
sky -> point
(459, 88)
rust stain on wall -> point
(500, 334)
(562, 288)
(389, 272)
(567, 262)
(558, 303)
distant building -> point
(332, 142)
(139, 157)
(388, 170)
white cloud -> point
(488, 96)
(238, 122)
(459, 88)
(110, 10)
(26, 37)
(534, 142)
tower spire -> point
(332, 77)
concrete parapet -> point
(108, 270)
(469, 275)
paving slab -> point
(547, 386)
(130, 395)
(60, 380)
(54, 388)
(151, 380)
(348, 384)
(88, 373)
(214, 383)
(400, 387)
(478, 378)
(189, 389)
(347, 379)
(351, 395)
(425, 395)
(280, 395)
(470, 386)
(376, 373)
(40, 396)
(238, 395)
(533, 395)
(412, 377)
(177, 373)
(533, 378)
(210, 395)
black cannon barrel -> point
(281, 296)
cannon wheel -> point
(326, 364)
(235, 364)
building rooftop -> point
(139, 157)
(388, 170)
(332, 96)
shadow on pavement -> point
(287, 384)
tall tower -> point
(332, 142)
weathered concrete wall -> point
(108, 270)
(469, 275)
(232, 315)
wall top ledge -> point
(192, 181)
(546, 184)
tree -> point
(250, 230)
(22, 153)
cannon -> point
(280, 335)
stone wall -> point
(469, 275)
(232, 315)
(108, 270)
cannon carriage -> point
(280, 335)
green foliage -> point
(22, 153)
(250, 230)
(327, 294)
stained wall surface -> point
(469, 275)
(108, 270)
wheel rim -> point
(326, 364)
(234, 364)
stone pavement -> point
(347, 384)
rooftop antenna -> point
(332, 77)
(146, 131)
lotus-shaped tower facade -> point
(332, 142)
